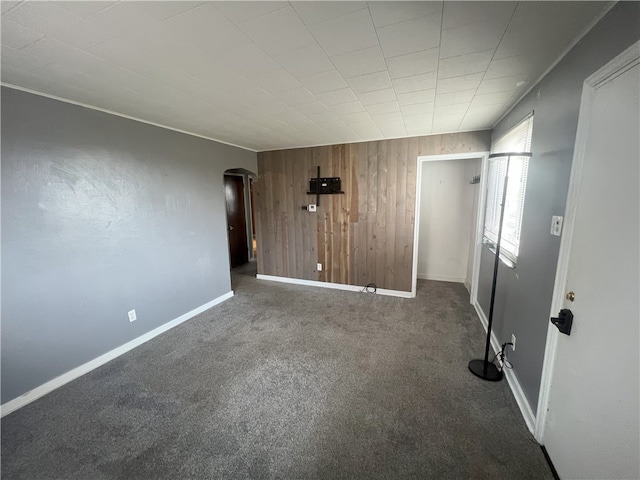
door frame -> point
(247, 220)
(484, 165)
(627, 59)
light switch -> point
(312, 207)
(556, 225)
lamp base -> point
(491, 374)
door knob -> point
(570, 296)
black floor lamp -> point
(484, 368)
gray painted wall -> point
(523, 299)
(101, 215)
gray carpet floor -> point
(287, 382)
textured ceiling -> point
(270, 75)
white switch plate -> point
(132, 316)
(513, 340)
(319, 267)
(312, 207)
(556, 225)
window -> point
(518, 139)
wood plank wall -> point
(362, 236)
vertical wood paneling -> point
(362, 236)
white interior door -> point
(592, 427)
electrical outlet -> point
(513, 340)
(132, 316)
(312, 207)
(319, 267)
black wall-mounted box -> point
(325, 185)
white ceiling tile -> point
(276, 81)
(447, 123)
(239, 12)
(462, 96)
(501, 84)
(378, 96)
(249, 60)
(324, 82)
(393, 131)
(346, 108)
(411, 36)
(452, 109)
(462, 13)
(464, 64)
(418, 121)
(315, 12)
(85, 9)
(296, 96)
(360, 62)
(160, 11)
(278, 32)
(154, 36)
(471, 38)
(334, 97)
(519, 65)
(499, 98)
(420, 96)
(8, 5)
(311, 108)
(125, 54)
(357, 118)
(189, 66)
(49, 51)
(349, 33)
(58, 23)
(386, 107)
(207, 27)
(386, 118)
(417, 109)
(483, 116)
(16, 36)
(456, 84)
(419, 130)
(278, 109)
(121, 18)
(562, 21)
(416, 63)
(305, 61)
(415, 82)
(324, 118)
(370, 82)
(388, 13)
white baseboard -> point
(441, 278)
(337, 286)
(51, 385)
(512, 379)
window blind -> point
(518, 139)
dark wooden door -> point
(236, 220)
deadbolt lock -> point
(570, 296)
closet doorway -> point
(449, 218)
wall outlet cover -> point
(312, 207)
(319, 267)
(556, 225)
(132, 315)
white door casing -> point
(588, 415)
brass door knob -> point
(570, 296)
